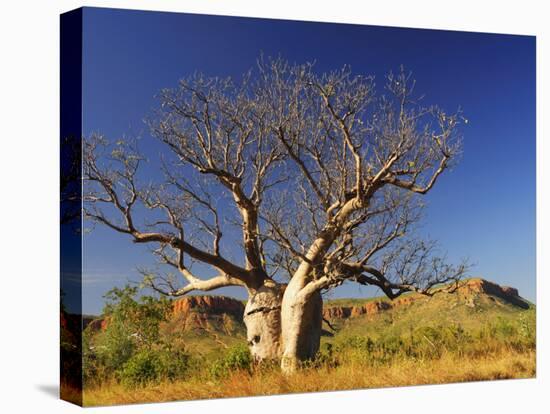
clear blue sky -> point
(484, 209)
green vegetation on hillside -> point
(140, 355)
(476, 312)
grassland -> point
(449, 368)
(444, 339)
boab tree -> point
(318, 175)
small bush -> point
(327, 356)
(236, 358)
(504, 328)
(147, 366)
(363, 343)
(140, 369)
(527, 327)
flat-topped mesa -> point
(479, 285)
(507, 293)
(337, 312)
(369, 308)
(372, 307)
(210, 313)
(510, 291)
(215, 305)
(193, 312)
(202, 311)
(466, 290)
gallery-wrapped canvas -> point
(257, 207)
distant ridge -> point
(466, 292)
(224, 315)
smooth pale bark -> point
(262, 317)
(301, 314)
(291, 340)
(301, 329)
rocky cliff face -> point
(332, 312)
(222, 313)
(196, 312)
(489, 288)
(466, 291)
(213, 305)
(207, 313)
(506, 293)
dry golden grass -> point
(447, 369)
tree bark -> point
(262, 317)
(301, 320)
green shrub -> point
(94, 370)
(505, 328)
(174, 365)
(141, 369)
(423, 342)
(236, 358)
(527, 326)
(132, 328)
(148, 365)
(327, 356)
(363, 343)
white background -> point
(29, 121)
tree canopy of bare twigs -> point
(283, 175)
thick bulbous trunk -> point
(301, 320)
(262, 317)
(283, 325)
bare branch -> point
(319, 175)
(166, 286)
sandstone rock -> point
(344, 312)
(216, 305)
(358, 311)
(510, 291)
(204, 312)
(405, 300)
(337, 312)
(194, 312)
(376, 307)
(508, 294)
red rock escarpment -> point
(216, 305)
(344, 312)
(200, 311)
(466, 290)
(194, 312)
(508, 294)
(206, 312)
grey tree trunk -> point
(301, 329)
(262, 317)
(286, 330)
